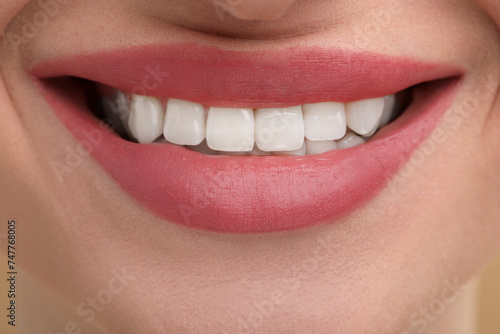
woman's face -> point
(355, 240)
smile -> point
(233, 142)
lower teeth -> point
(309, 129)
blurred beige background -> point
(489, 312)
(488, 320)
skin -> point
(373, 271)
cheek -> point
(449, 208)
(492, 8)
(9, 9)
(439, 218)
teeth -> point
(363, 117)
(324, 121)
(390, 103)
(350, 140)
(320, 147)
(279, 129)
(185, 122)
(310, 129)
(146, 118)
(230, 129)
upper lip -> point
(258, 79)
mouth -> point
(248, 142)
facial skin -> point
(369, 272)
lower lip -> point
(254, 194)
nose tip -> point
(264, 10)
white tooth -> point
(368, 135)
(203, 148)
(146, 118)
(350, 140)
(123, 108)
(364, 116)
(185, 122)
(279, 129)
(295, 153)
(324, 121)
(230, 129)
(320, 147)
(390, 103)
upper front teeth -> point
(324, 121)
(279, 129)
(185, 122)
(230, 129)
(308, 129)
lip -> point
(252, 194)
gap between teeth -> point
(295, 131)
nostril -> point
(264, 10)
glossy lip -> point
(258, 79)
(252, 194)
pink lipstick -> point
(251, 194)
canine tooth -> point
(368, 135)
(390, 103)
(185, 122)
(279, 129)
(350, 140)
(302, 151)
(320, 147)
(364, 116)
(324, 121)
(230, 129)
(146, 118)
